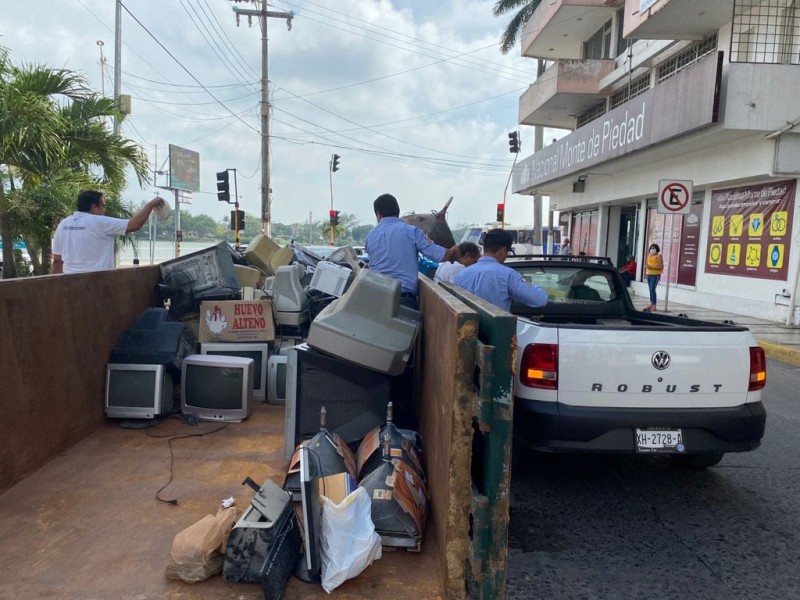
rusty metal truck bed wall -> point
(447, 405)
(57, 332)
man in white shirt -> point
(470, 253)
(84, 241)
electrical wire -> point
(456, 53)
(171, 438)
(182, 66)
(211, 42)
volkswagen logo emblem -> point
(660, 360)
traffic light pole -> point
(236, 210)
(505, 191)
(330, 177)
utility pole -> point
(538, 144)
(117, 62)
(102, 69)
(263, 15)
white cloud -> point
(402, 133)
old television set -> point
(138, 391)
(276, 379)
(368, 326)
(260, 353)
(354, 397)
(217, 387)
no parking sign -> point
(674, 197)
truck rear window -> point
(572, 285)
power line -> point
(456, 53)
(181, 65)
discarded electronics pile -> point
(336, 350)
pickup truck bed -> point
(87, 525)
(596, 375)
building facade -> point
(684, 130)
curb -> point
(781, 353)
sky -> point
(414, 96)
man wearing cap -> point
(496, 283)
(393, 246)
(84, 241)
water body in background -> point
(153, 253)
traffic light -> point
(334, 214)
(501, 211)
(513, 142)
(223, 187)
(335, 163)
(237, 220)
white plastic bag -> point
(348, 541)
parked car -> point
(596, 375)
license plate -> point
(659, 440)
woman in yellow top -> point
(653, 269)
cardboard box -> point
(236, 321)
(337, 487)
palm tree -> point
(28, 119)
(70, 147)
(524, 8)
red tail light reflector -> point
(758, 369)
(539, 368)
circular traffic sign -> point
(674, 197)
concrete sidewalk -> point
(780, 342)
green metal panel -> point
(496, 352)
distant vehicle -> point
(522, 238)
(321, 251)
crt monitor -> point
(276, 379)
(354, 397)
(138, 391)
(217, 388)
(258, 351)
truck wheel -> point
(697, 461)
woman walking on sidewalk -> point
(653, 269)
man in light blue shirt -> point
(392, 247)
(496, 283)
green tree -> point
(513, 31)
(74, 149)
(29, 119)
(359, 233)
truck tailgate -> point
(703, 368)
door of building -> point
(628, 233)
(584, 232)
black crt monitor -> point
(354, 397)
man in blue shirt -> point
(496, 283)
(392, 246)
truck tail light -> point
(758, 369)
(539, 367)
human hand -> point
(157, 202)
(452, 254)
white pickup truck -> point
(596, 375)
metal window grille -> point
(765, 31)
(590, 114)
(688, 57)
(636, 87)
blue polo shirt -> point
(499, 284)
(392, 246)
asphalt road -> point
(618, 527)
